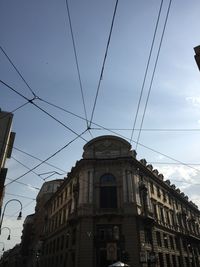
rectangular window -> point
(108, 197)
(177, 243)
(164, 196)
(179, 261)
(62, 242)
(152, 187)
(67, 240)
(174, 261)
(147, 235)
(158, 238)
(162, 214)
(158, 191)
(176, 202)
(171, 242)
(155, 211)
(168, 260)
(61, 199)
(54, 245)
(173, 219)
(161, 260)
(66, 194)
(102, 234)
(165, 240)
(58, 244)
(74, 236)
(170, 200)
(167, 218)
(187, 261)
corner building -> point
(6, 143)
(113, 207)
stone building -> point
(32, 234)
(6, 143)
(113, 207)
(26, 246)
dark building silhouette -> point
(6, 144)
(113, 207)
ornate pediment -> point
(107, 147)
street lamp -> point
(197, 55)
(3, 245)
(20, 213)
(8, 238)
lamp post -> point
(3, 246)
(8, 238)
(20, 213)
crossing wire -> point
(6, 115)
(76, 59)
(24, 184)
(154, 70)
(51, 156)
(41, 109)
(104, 60)
(16, 69)
(34, 157)
(16, 195)
(122, 136)
(146, 70)
(22, 164)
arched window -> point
(108, 191)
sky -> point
(36, 37)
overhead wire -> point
(16, 195)
(18, 93)
(8, 113)
(104, 60)
(17, 70)
(76, 59)
(154, 70)
(147, 68)
(51, 156)
(41, 109)
(128, 139)
(153, 129)
(172, 163)
(34, 157)
(22, 164)
(24, 184)
(119, 129)
(64, 125)
(50, 174)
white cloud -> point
(195, 100)
(179, 173)
(185, 178)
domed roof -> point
(107, 146)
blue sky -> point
(36, 36)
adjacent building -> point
(6, 144)
(32, 234)
(26, 246)
(112, 207)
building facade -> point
(26, 246)
(113, 207)
(32, 234)
(6, 144)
